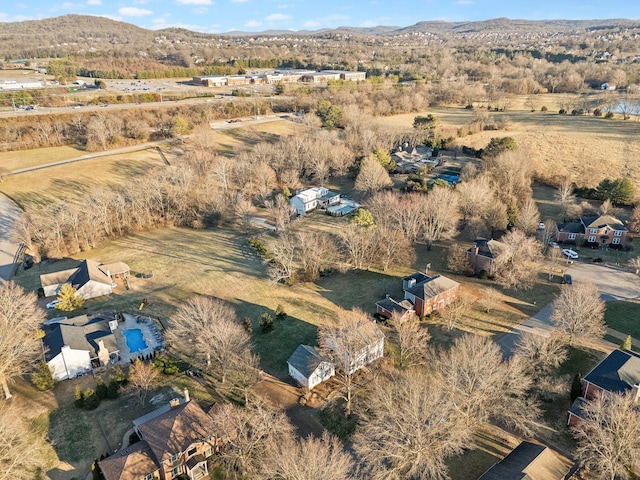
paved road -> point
(9, 213)
(613, 283)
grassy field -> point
(11, 161)
(624, 317)
(71, 182)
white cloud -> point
(252, 24)
(195, 2)
(239, 1)
(277, 17)
(134, 12)
(464, 2)
(311, 24)
(94, 2)
(330, 21)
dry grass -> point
(71, 182)
(585, 149)
(16, 160)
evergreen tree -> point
(68, 298)
(626, 343)
(576, 387)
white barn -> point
(75, 346)
(308, 368)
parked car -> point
(541, 226)
(553, 245)
(52, 304)
(566, 279)
(572, 254)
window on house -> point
(192, 452)
(148, 476)
(174, 458)
(618, 233)
(616, 241)
(593, 230)
(175, 471)
(591, 239)
(572, 236)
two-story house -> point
(422, 295)
(602, 230)
(618, 372)
(175, 439)
(483, 254)
(311, 198)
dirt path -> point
(9, 213)
(285, 396)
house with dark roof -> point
(530, 461)
(309, 368)
(90, 279)
(73, 347)
(429, 294)
(483, 254)
(388, 306)
(618, 372)
(176, 439)
(598, 230)
(423, 295)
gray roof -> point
(390, 305)
(131, 463)
(305, 359)
(577, 406)
(432, 287)
(88, 270)
(571, 227)
(79, 333)
(529, 461)
(487, 248)
(603, 221)
(418, 277)
(618, 372)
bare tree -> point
(529, 217)
(317, 252)
(208, 327)
(578, 312)
(542, 354)
(457, 260)
(143, 377)
(565, 196)
(452, 315)
(490, 299)
(393, 248)
(20, 456)
(483, 386)
(252, 430)
(280, 210)
(307, 459)
(359, 245)
(439, 214)
(284, 253)
(411, 426)
(372, 176)
(516, 262)
(350, 343)
(475, 197)
(20, 318)
(607, 436)
(412, 340)
(244, 210)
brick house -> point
(175, 439)
(422, 295)
(483, 254)
(602, 230)
(618, 372)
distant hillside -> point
(82, 34)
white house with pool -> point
(78, 345)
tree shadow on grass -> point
(275, 347)
(359, 288)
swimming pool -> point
(135, 342)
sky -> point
(218, 16)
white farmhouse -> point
(311, 198)
(308, 368)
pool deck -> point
(150, 333)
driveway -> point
(613, 284)
(9, 213)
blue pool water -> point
(135, 342)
